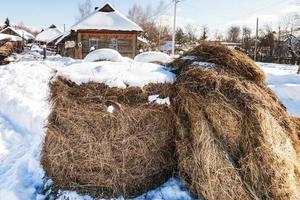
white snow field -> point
(24, 109)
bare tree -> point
(246, 39)
(218, 36)
(149, 19)
(204, 33)
(84, 9)
(191, 32)
(233, 34)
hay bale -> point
(92, 151)
(227, 60)
(296, 122)
(242, 142)
(251, 129)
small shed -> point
(27, 37)
(16, 41)
(49, 36)
(104, 28)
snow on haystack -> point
(104, 55)
(153, 57)
(118, 74)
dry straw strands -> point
(90, 150)
(242, 144)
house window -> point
(113, 44)
(93, 43)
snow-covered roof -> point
(10, 37)
(21, 33)
(50, 34)
(143, 40)
(106, 18)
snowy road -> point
(24, 110)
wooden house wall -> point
(126, 43)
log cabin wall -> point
(124, 42)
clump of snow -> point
(189, 58)
(104, 55)
(118, 74)
(156, 99)
(153, 56)
(110, 109)
(205, 64)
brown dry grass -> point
(230, 61)
(252, 131)
(92, 151)
(296, 122)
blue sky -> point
(216, 14)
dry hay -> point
(92, 151)
(7, 49)
(296, 122)
(227, 60)
(241, 142)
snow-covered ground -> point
(285, 82)
(24, 109)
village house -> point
(49, 36)
(27, 37)
(104, 28)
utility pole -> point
(256, 41)
(64, 28)
(174, 27)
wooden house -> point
(27, 37)
(49, 36)
(104, 28)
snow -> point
(49, 35)
(104, 54)
(110, 109)
(189, 58)
(20, 32)
(23, 113)
(205, 64)
(156, 99)
(10, 37)
(98, 20)
(285, 82)
(117, 74)
(153, 56)
(24, 110)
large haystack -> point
(237, 139)
(90, 150)
(230, 61)
(296, 122)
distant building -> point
(104, 28)
(49, 36)
(27, 37)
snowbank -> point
(285, 82)
(118, 74)
(153, 56)
(104, 55)
(23, 113)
